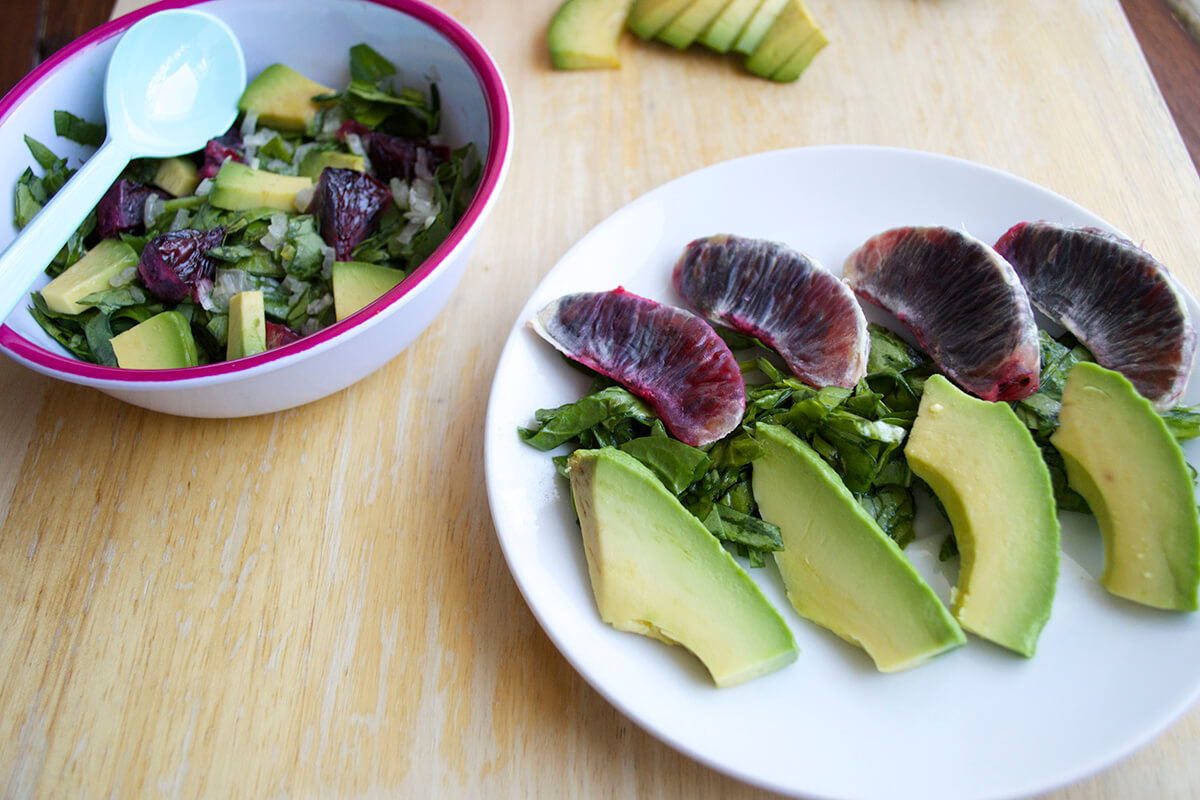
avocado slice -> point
(648, 17)
(315, 161)
(177, 176)
(247, 325)
(840, 570)
(689, 23)
(357, 284)
(238, 187)
(756, 28)
(584, 33)
(801, 58)
(164, 341)
(283, 98)
(793, 31)
(723, 31)
(89, 275)
(656, 570)
(988, 473)
(1120, 456)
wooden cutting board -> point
(314, 603)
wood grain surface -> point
(314, 603)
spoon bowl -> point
(173, 83)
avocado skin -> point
(988, 473)
(656, 570)
(840, 570)
(1120, 456)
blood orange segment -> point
(1115, 297)
(784, 299)
(961, 300)
(669, 357)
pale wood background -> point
(313, 603)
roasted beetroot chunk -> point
(279, 335)
(1115, 297)
(347, 203)
(394, 157)
(122, 209)
(784, 299)
(669, 357)
(218, 150)
(173, 265)
(962, 302)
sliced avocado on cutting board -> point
(1120, 456)
(756, 28)
(584, 33)
(840, 570)
(723, 31)
(656, 570)
(648, 17)
(794, 67)
(779, 37)
(687, 26)
(788, 45)
(984, 467)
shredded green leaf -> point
(78, 130)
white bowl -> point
(314, 37)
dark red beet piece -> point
(671, 358)
(355, 127)
(393, 156)
(173, 265)
(1115, 297)
(219, 149)
(122, 209)
(782, 298)
(396, 157)
(347, 203)
(279, 335)
(961, 300)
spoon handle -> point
(39, 242)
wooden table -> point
(313, 603)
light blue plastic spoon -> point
(173, 83)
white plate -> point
(976, 723)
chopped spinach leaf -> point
(78, 130)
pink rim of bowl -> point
(499, 125)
